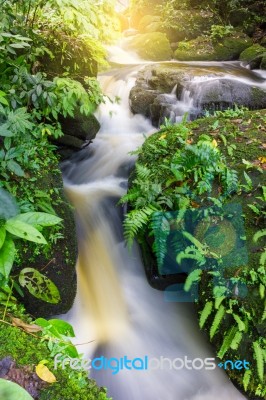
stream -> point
(115, 307)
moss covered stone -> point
(203, 48)
(240, 135)
(57, 259)
(151, 46)
(28, 350)
(148, 23)
(251, 52)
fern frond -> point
(217, 321)
(192, 278)
(161, 229)
(142, 172)
(227, 342)
(241, 324)
(259, 357)
(135, 221)
(236, 341)
(246, 379)
(205, 313)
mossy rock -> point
(251, 52)
(56, 260)
(231, 47)
(27, 351)
(148, 24)
(204, 48)
(245, 131)
(199, 49)
(151, 46)
(255, 56)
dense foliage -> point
(50, 53)
(189, 192)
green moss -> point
(28, 350)
(251, 52)
(204, 49)
(151, 46)
(148, 22)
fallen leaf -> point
(214, 143)
(262, 160)
(45, 374)
(30, 328)
(237, 121)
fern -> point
(205, 313)
(246, 379)
(161, 229)
(135, 221)
(227, 342)
(217, 321)
(236, 341)
(241, 325)
(143, 172)
(218, 301)
(259, 357)
(192, 278)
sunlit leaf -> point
(45, 374)
(39, 285)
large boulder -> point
(150, 23)
(151, 46)
(168, 90)
(225, 93)
(77, 131)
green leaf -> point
(3, 101)
(205, 313)
(246, 379)
(4, 131)
(38, 219)
(63, 327)
(14, 167)
(2, 236)
(241, 325)
(10, 391)
(192, 278)
(258, 354)
(39, 285)
(24, 231)
(259, 234)
(7, 256)
(8, 205)
(217, 320)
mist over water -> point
(115, 307)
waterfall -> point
(115, 308)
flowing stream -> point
(115, 307)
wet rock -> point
(77, 130)
(169, 90)
(224, 93)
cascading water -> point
(115, 307)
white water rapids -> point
(115, 306)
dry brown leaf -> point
(30, 328)
(237, 121)
(45, 374)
